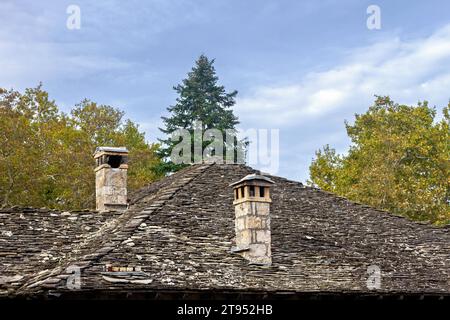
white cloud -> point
(20, 67)
(30, 52)
(25, 64)
(35, 44)
(408, 71)
(311, 112)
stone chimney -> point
(252, 218)
(111, 178)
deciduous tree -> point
(398, 161)
(46, 155)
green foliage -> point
(200, 99)
(398, 161)
(46, 155)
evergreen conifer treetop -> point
(200, 100)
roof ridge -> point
(356, 203)
(179, 246)
(118, 230)
(382, 212)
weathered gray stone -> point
(240, 223)
(252, 223)
(322, 243)
(111, 187)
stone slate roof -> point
(178, 232)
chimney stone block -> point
(111, 178)
(252, 219)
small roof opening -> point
(114, 161)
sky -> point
(300, 67)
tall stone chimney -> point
(111, 178)
(252, 218)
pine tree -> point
(200, 100)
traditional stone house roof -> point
(178, 233)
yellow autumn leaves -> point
(46, 155)
(398, 161)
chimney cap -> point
(252, 177)
(111, 150)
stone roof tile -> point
(178, 235)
